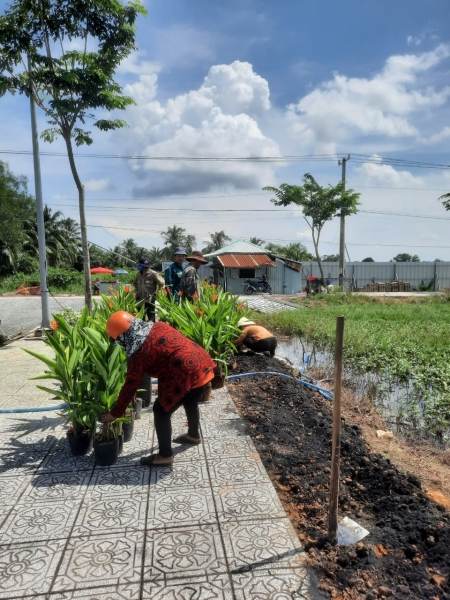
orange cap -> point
(118, 323)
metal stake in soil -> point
(336, 440)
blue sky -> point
(269, 79)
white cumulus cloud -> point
(97, 185)
(219, 119)
(386, 176)
(344, 108)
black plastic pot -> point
(137, 407)
(80, 444)
(146, 395)
(120, 444)
(106, 453)
(127, 430)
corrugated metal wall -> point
(437, 273)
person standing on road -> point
(146, 284)
(173, 273)
(184, 371)
(190, 283)
(255, 338)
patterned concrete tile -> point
(247, 502)
(238, 446)
(38, 521)
(11, 489)
(213, 587)
(223, 427)
(19, 462)
(280, 584)
(180, 507)
(60, 460)
(130, 591)
(100, 558)
(111, 513)
(118, 481)
(187, 452)
(231, 471)
(181, 474)
(56, 487)
(27, 569)
(213, 411)
(262, 544)
(183, 552)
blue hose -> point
(38, 409)
(325, 393)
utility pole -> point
(39, 216)
(342, 162)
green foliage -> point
(406, 343)
(294, 251)
(330, 258)
(89, 368)
(58, 280)
(211, 321)
(16, 205)
(368, 259)
(218, 240)
(405, 257)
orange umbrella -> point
(98, 270)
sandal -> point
(183, 439)
(148, 461)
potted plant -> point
(210, 320)
(106, 371)
(128, 426)
(71, 352)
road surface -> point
(22, 313)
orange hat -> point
(118, 323)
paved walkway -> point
(211, 527)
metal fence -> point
(434, 275)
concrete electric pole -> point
(39, 216)
(342, 248)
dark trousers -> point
(267, 345)
(150, 311)
(163, 424)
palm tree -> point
(156, 256)
(61, 246)
(8, 257)
(257, 241)
(173, 237)
(189, 243)
(218, 240)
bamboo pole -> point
(336, 439)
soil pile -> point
(407, 554)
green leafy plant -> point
(71, 352)
(210, 321)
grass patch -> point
(406, 340)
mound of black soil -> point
(407, 554)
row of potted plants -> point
(90, 370)
(211, 320)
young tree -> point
(368, 259)
(64, 54)
(319, 205)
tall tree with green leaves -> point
(65, 54)
(173, 237)
(218, 240)
(16, 206)
(319, 204)
(257, 241)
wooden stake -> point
(336, 440)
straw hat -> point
(244, 322)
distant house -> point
(241, 260)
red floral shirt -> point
(179, 364)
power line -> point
(359, 158)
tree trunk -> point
(83, 227)
(319, 262)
